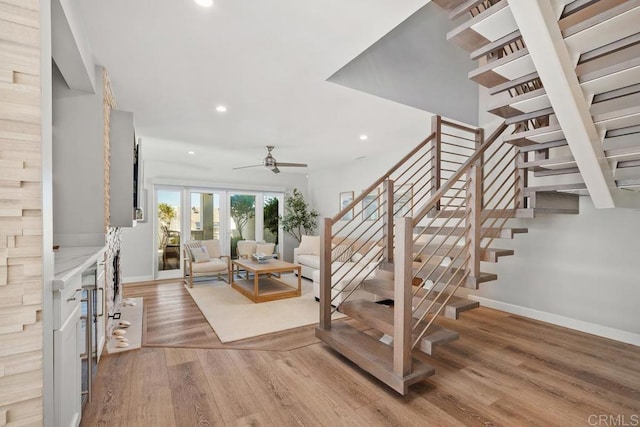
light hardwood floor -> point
(505, 370)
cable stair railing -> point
(415, 236)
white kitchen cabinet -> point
(79, 277)
(67, 370)
(101, 305)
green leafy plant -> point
(166, 214)
(243, 208)
(298, 217)
(271, 219)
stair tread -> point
(372, 355)
(467, 38)
(456, 213)
(455, 305)
(551, 163)
(501, 233)
(557, 187)
(381, 317)
(452, 275)
(541, 134)
(486, 254)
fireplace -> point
(113, 277)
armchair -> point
(203, 258)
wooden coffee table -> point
(266, 284)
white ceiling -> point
(171, 62)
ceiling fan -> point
(270, 162)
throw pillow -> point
(200, 254)
(310, 245)
(343, 253)
(192, 246)
(265, 248)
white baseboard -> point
(567, 322)
(134, 279)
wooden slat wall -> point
(21, 331)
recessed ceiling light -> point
(192, 152)
(221, 109)
(204, 3)
(363, 137)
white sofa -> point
(307, 255)
(308, 263)
(349, 280)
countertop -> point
(70, 261)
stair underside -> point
(604, 29)
(610, 80)
(452, 309)
(372, 356)
(380, 317)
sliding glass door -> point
(168, 232)
(205, 215)
(184, 213)
(242, 219)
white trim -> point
(134, 279)
(211, 185)
(556, 319)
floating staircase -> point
(423, 229)
(426, 225)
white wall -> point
(137, 242)
(578, 271)
(581, 271)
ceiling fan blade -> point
(293, 165)
(275, 169)
(245, 167)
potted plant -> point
(298, 217)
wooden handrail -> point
(458, 126)
(380, 180)
(456, 176)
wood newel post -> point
(436, 154)
(479, 143)
(402, 291)
(387, 229)
(325, 274)
(521, 177)
(474, 217)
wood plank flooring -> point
(505, 370)
(172, 319)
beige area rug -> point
(233, 317)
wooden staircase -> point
(434, 225)
(432, 219)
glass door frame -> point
(258, 220)
(224, 218)
(280, 197)
(178, 272)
